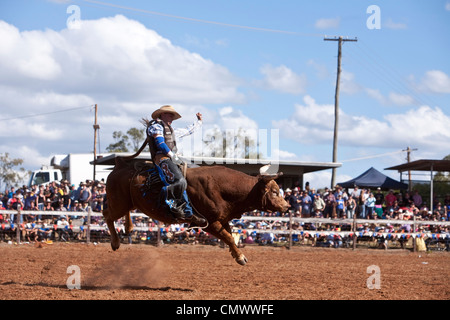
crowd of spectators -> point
(64, 200)
(365, 204)
(331, 205)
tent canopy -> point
(373, 178)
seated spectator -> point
(439, 211)
(31, 231)
(45, 231)
(63, 229)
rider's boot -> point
(183, 211)
(195, 220)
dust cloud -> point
(132, 269)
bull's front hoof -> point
(115, 246)
(242, 260)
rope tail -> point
(138, 152)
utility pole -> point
(336, 102)
(96, 127)
(408, 159)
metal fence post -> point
(88, 234)
(19, 213)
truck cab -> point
(44, 176)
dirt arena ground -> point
(198, 272)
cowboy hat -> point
(165, 109)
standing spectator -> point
(30, 197)
(330, 203)
(11, 193)
(66, 198)
(280, 186)
(370, 206)
(48, 207)
(356, 192)
(306, 205)
(362, 204)
(85, 193)
(340, 206)
(287, 197)
(40, 201)
(295, 201)
(407, 200)
(61, 206)
(447, 207)
(318, 206)
(447, 200)
(417, 199)
(379, 197)
(390, 199)
(350, 207)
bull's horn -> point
(266, 171)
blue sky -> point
(258, 65)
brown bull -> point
(218, 193)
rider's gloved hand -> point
(175, 159)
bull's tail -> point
(137, 152)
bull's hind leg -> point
(223, 232)
(128, 223)
(115, 240)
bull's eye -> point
(275, 194)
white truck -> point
(73, 167)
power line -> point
(373, 156)
(375, 64)
(44, 113)
(223, 24)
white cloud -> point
(312, 123)
(114, 56)
(328, 23)
(235, 119)
(447, 6)
(393, 98)
(400, 99)
(286, 155)
(283, 79)
(321, 179)
(435, 81)
(115, 62)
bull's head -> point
(271, 197)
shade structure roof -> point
(372, 178)
(423, 165)
(249, 166)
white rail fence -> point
(289, 230)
